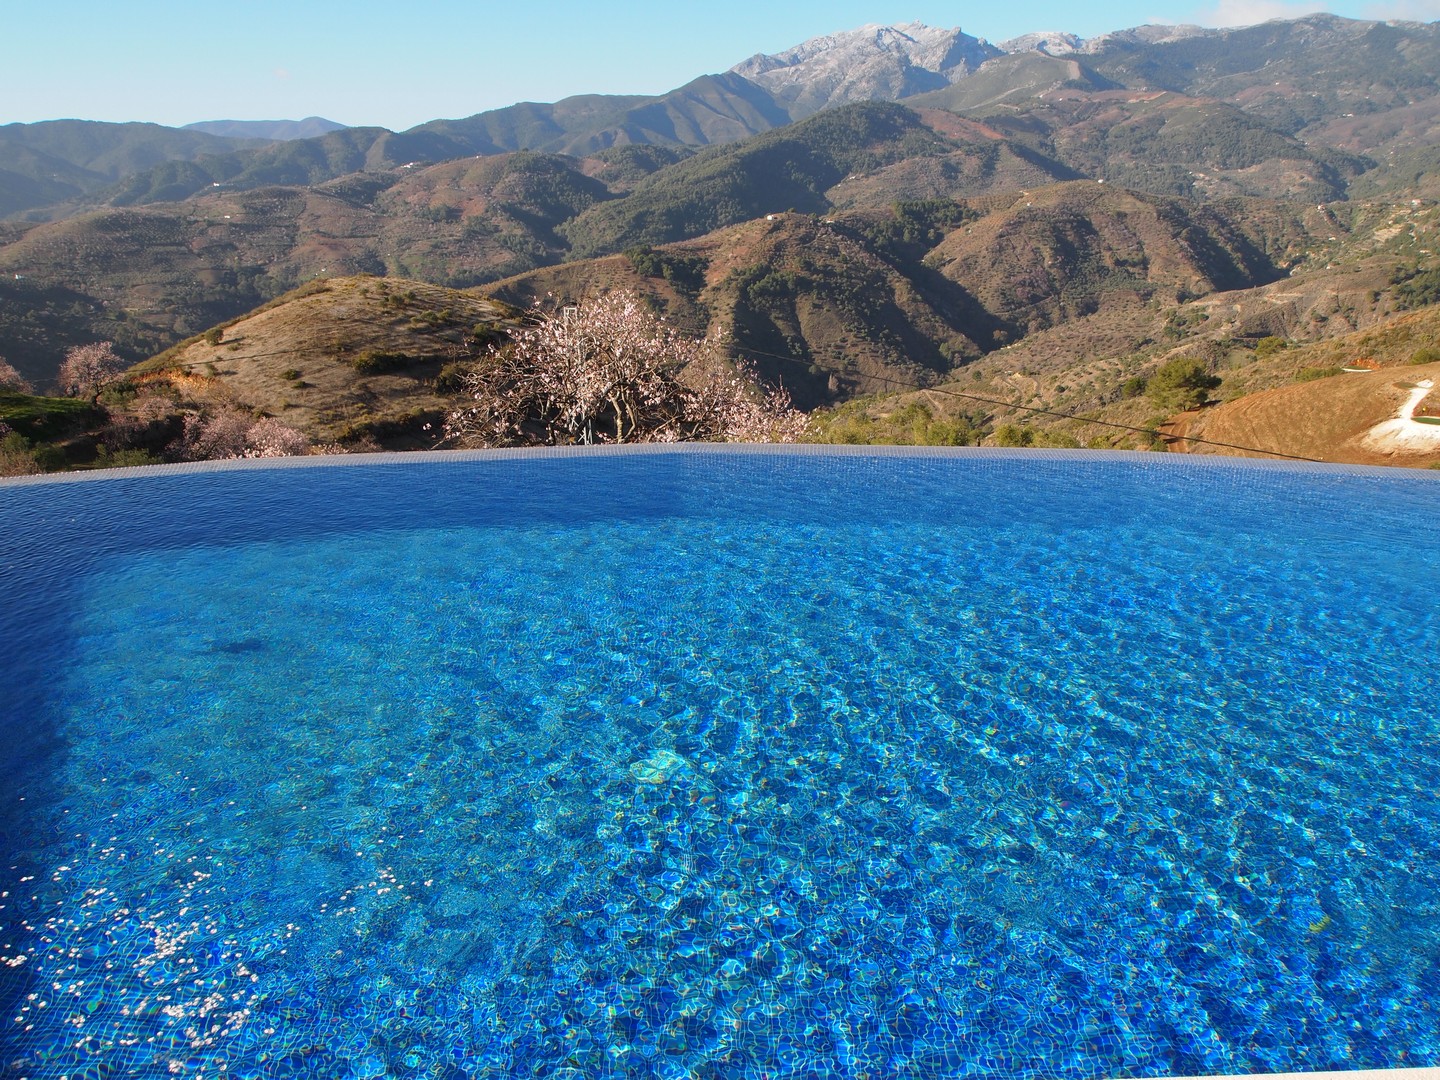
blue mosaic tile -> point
(723, 765)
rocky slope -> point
(870, 299)
(873, 63)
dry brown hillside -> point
(1305, 404)
(804, 299)
(1042, 257)
(1351, 418)
(343, 358)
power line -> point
(745, 352)
(1152, 432)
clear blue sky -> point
(400, 64)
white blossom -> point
(88, 369)
(608, 370)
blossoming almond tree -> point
(12, 380)
(269, 438)
(88, 369)
(234, 433)
(608, 370)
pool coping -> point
(1426, 1072)
(808, 450)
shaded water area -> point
(720, 763)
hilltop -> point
(344, 360)
(350, 363)
(871, 63)
(277, 130)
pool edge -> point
(1425, 1072)
(808, 450)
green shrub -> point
(1134, 386)
(915, 226)
(1416, 288)
(19, 457)
(16, 457)
(646, 261)
(214, 336)
(1427, 355)
(1057, 440)
(1183, 383)
(1310, 374)
(418, 425)
(913, 424)
(451, 379)
(1018, 435)
(290, 374)
(1013, 435)
(373, 361)
(483, 335)
(106, 458)
(1269, 346)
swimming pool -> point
(730, 762)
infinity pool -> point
(749, 763)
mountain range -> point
(892, 205)
(1351, 70)
(271, 130)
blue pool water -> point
(720, 764)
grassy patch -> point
(1310, 374)
(47, 418)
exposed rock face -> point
(873, 63)
(1050, 42)
(1148, 34)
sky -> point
(396, 65)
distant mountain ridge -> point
(1317, 70)
(61, 161)
(706, 110)
(278, 130)
(872, 63)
